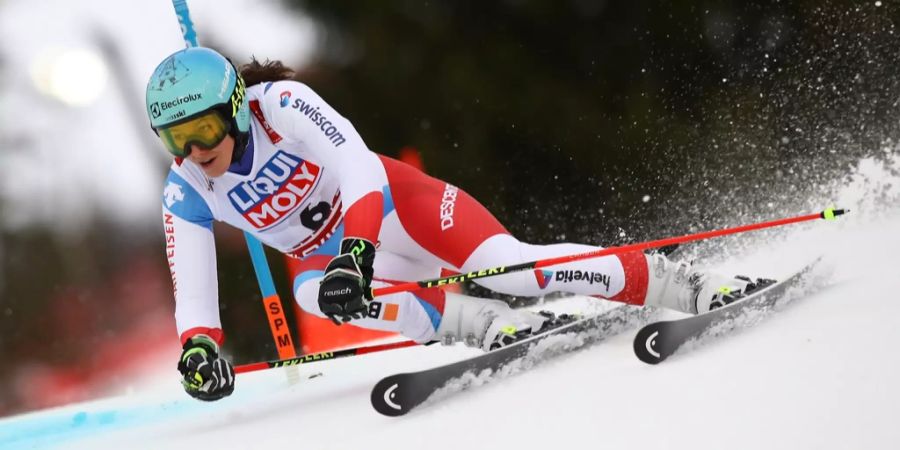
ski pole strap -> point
(325, 356)
(828, 214)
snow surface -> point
(820, 373)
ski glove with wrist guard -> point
(206, 376)
(345, 292)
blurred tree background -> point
(563, 117)
(572, 120)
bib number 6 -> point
(314, 216)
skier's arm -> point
(187, 221)
(191, 253)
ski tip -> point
(387, 398)
(646, 345)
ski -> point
(398, 394)
(657, 341)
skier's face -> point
(216, 160)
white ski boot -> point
(681, 287)
(485, 323)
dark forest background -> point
(600, 122)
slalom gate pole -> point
(281, 333)
(325, 356)
(828, 214)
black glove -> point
(345, 292)
(206, 376)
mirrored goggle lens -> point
(205, 131)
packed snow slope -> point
(820, 372)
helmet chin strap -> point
(240, 143)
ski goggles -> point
(205, 131)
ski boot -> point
(726, 294)
(716, 291)
(489, 324)
(684, 288)
(509, 336)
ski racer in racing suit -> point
(275, 160)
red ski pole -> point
(828, 214)
(324, 356)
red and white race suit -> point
(307, 180)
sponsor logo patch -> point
(568, 276)
(170, 248)
(448, 203)
(226, 80)
(384, 311)
(279, 188)
(237, 97)
(285, 98)
(453, 279)
(319, 119)
(157, 108)
(172, 194)
(543, 277)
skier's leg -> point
(436, 224)
(605, 276)
(633, 278)
(440, 223)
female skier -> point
(275, 160)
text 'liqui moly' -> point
(278, 190)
